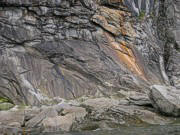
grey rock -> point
(65, 49)
(71, 48)
(166, 99)
(170, 12)
(139, 99)
(9, 130)
(90, 114)
(138, 115)
(35, 121)
(10, 117)
(105, 113)
(98, 49)
(69, 115)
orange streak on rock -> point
(114, 21)
(126, 56)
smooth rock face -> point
(166, 99)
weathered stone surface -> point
(72, 48)
(99, 103)
(37, 119)
(110, 113)
(90, 114)
(9, 130)
(69, 115)
(10, 117)
(138, 115)
(166, 99)
(55, 49)
(168, 28)
(140, 99)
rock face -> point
(70, 48)
(88, 64)
(171, 39)
(54, 49)
(166, 99)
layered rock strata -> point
(54, 49)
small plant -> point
(2, 99)
(141, 15)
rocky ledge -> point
(91, 113)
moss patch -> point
(141, 15)
(2, 100)
(6, 106)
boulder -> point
(8, 130)
(15, 118)
(64, 122)
(35, 121)
(165, 99)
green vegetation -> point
(141, 15)
(6, 106)
(2, 100)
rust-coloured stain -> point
(114, 21)
(126, 55)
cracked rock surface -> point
(51, 50)
(72, 48)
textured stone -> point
(110, 113)
(69, 115)
(171, 39)
(108, 51)
(68, 49)
(9, 117)
(166, 99)
(9, 130)
(98, 103)
(37, 119)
